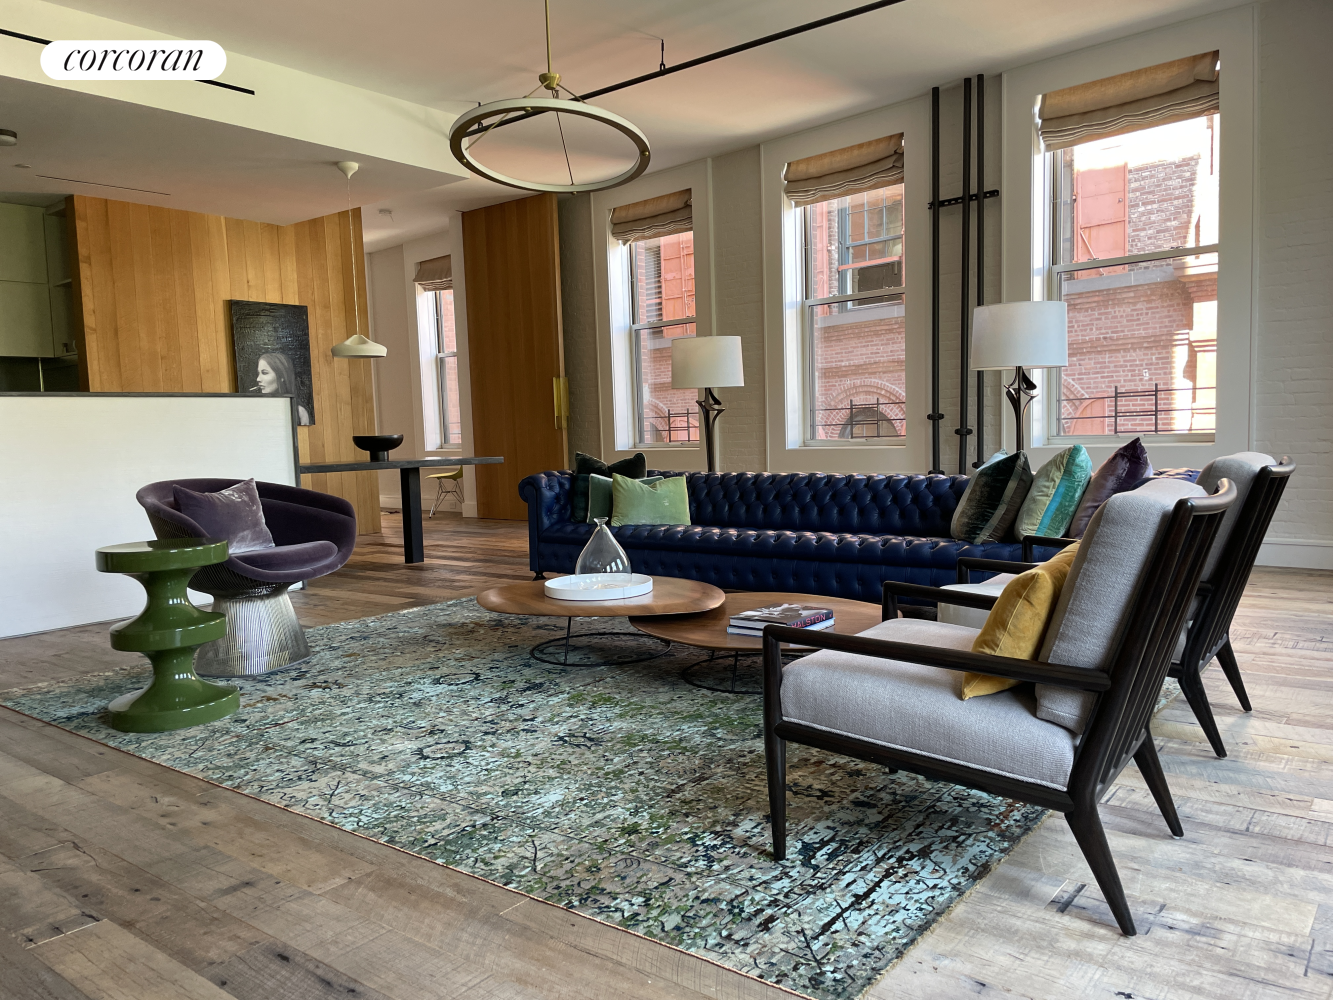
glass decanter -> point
(603, 564)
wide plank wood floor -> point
(120, 878)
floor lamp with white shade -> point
(1020, 335)
(707, 363)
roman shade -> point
(847, 171)
(436, 274)
(1145, 98)
(665, 215)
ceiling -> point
(453, 56)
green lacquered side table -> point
(167, 632)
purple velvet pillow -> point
(1118, 474)
(234, 514)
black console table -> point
(409, 473)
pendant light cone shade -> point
(1020, 335)
(355, 346)
(706, 363)
(358, 346)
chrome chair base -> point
(263, 634)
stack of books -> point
(752, 623)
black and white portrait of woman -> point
(271, 344)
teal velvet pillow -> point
(635, 467)
(1053, 499)
(990, 504)
(600, 493)
(637, 502)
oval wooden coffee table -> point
(670, 596)
(708, 629)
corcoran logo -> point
(133, 60)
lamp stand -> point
(1020, 393)
(710, 408)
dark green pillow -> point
(634, 467)
(991, 502)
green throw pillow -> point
(991, 502)
(636, 467)
(600, 494)
(1057, 488)
(636, 502)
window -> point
(439, 372)
(661, 274)
(1135, 256)
(854, 332)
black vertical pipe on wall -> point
(935, 415)
(981, 257)
(965, 292)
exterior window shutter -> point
(843, 172)
(436, 274)
(665, 215)
(1145, 98)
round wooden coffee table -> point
(708, 629)
(669, 596)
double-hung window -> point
(853, 326)
(437, 344)
(657, 241)
(1134, 254)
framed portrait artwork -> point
(270, 342)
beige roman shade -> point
(1157, 95)
(851, 170)
(665, 215)
(436, 274)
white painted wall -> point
(398, 377)
(57, 513)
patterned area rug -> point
(621, 792)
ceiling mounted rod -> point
(664, 70)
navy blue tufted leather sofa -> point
(840, 536)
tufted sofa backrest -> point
(853, 504)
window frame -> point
(1051, 414)
(1027, 224)
(784, 296)
(636, 327)
(441, 375)
(809, 391)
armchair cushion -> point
(1093, 611)
(1241, 468)
(234, 513)
(302, 558)
(1017, 624)
(908, 706)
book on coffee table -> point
(791, 615)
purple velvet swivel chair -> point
(313, 535)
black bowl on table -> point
(379, 445)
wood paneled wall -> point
(151, 291)
(515, 346)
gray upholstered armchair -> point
(1081, 712)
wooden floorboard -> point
(123, 878)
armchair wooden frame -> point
(1117, 730)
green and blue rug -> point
(620, 792)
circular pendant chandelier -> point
(475, 125)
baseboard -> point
(1296, 553)
(391, 502)
(470, 508)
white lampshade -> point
(706, 363)
(358, 346)
(1020, 335)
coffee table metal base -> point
(714, 657)
(562, 643)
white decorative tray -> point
(598, 587)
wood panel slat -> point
(151, 287)
(515, 346)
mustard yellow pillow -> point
(1017, 622)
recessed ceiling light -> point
(8, 137)
(24, 166)
(386, 211)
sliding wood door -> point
(511, 255)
